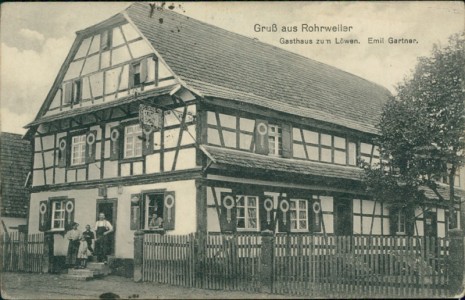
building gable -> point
(105, 64)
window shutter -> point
(116, 138)
(261, 137)
(63, 152)
(169, 211)
(315, 215)
(266, 213)
(147, 143)
(91, 147)
(286, 130)
(228, 212)
(143, 70)
(69, 213)
(136, 200)
(131, 76)
(68, 94)
(409, 221)
(393, 220)
(44, 215)
(284, 220)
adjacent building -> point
(236, 136)
(15, 167)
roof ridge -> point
(256, 40)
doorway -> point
(342, 216)
(108, 207)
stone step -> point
(81, 272)
(99, 267)
(77, 277)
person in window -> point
(102, 229)
(156, 222)
(74, 237)
(89, 236)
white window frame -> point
(62, 217)
(78, 150)
(297, 209)
(132, 143)
(147, 208)
(275, 140)
(246, 216)
(400, 216)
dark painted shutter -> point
(69, 213)
(91, 146)
(68, 93)
(261, 137)
(286, 130)
(314, 215)
(409, 221)
(44, 215)
(169, 212)
(116, 138)
(131, 76)
(135, 222)
(63, 151)
(393, 220)
(143, 70)
(266, 213)
(228, 212)
(147, 143)
(284, 215)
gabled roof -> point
(213, 60)
(15, 164)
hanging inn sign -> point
(150, 118)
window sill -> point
(131, 159)
(75, 167)
(159, 231)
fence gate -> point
(22, 253)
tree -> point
(422, 130)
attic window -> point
(105, 40)
(76, 91)
(136, 74)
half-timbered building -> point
(245, 137)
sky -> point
(36, 37)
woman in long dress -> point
(74, 238)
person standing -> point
(74, 238)
(89, 236)
(83, 253)
(102, 229)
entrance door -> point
(343, 216)
(431, 225)
(108, 207)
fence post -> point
(266, 268)
(47, 262)
(456, 262)
(138, 254)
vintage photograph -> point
(232, 150)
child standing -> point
(83, 253)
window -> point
(275, 140)
(136, 74)
(58, 215)
(247, 212)
(153, 211)
(132, 142)
(76, 98)
(105, 39)
(400, 222)
(299, 218)
(453, 219)
(78, 150)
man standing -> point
(102, 229)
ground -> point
(50, 286)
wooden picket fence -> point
(22, 253)
(302, 264)
(360, 266)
